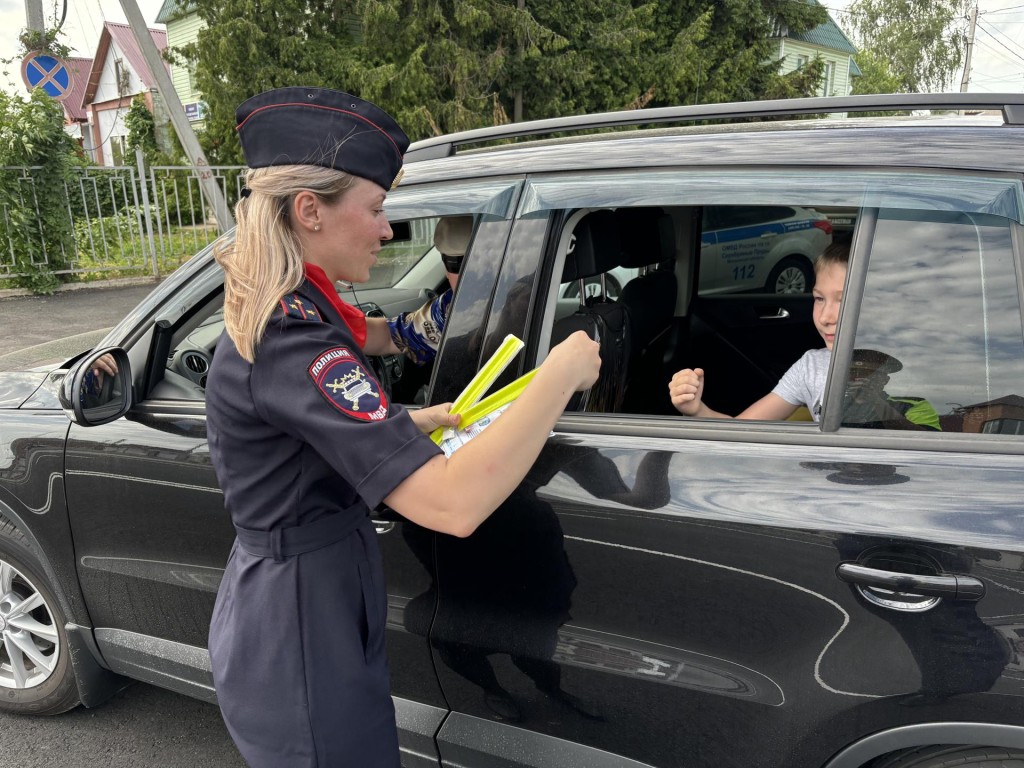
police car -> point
(660, 590)
(769, 247)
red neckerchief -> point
(354, 319)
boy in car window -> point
(804, 383)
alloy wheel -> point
(30, 642)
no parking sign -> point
(41, 70)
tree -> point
(141, 128)
(921, 42)
(36, 218)
(448, 65)
(249, 46)
(875, 75)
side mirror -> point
(98, 389)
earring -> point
(316, 227)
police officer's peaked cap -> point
(873, 360)
(452, 234)
(320, 126)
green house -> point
(183, 25)
(827, 41)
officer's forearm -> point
(455, 495)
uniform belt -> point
(280, 543)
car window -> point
(941, 300)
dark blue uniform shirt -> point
(305, 443)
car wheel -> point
(793, 274)
(953, 757)
(36, 677)
(592, 285)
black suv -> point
(661, 590)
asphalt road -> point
(37, 330)
(142, 726)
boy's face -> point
(828, 295)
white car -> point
(760, 247)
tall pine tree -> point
(449, 65)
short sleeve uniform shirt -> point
(305, 435)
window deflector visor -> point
(965, 193)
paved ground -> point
(37, 330)
(142, 726)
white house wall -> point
(107, 89)
(794, 49)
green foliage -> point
(921, 42)
(875, 75)
(449, 65)
(805, 81)
(35, 222)
(249, 46)
(141, 129)
(46, 41)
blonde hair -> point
(264, 262)
(835, 254)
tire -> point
(793, 274)
(36, 677)
(953, 757)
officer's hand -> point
(579, 358)
(429, 419)
(686, 390)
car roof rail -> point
(1010, 104)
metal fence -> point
(107, 221)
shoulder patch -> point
(300, 308)
(348, 386)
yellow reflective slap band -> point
(503, 396)
(480, 383)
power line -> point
(1014, 43)
(995, 39)
(1000, 10)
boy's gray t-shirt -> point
(804, 382)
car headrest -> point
(648, 236)
(595, 248)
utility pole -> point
(972, 16)
(213, 193)
(34, 15)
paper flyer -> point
(477, 414)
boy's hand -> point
(686, 389)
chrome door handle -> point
(954, 587)
(778, 314)
(383, 526)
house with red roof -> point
(76, 120)
(118, 73)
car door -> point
(664, 591)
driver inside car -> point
(418, 334)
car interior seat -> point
(648, 240)
(594, 251)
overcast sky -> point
(997, 62)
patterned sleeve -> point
(418, 334)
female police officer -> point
(305, 442)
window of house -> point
(828, 79)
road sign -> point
(41, 70)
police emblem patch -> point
(348, 386)
(296, 306)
